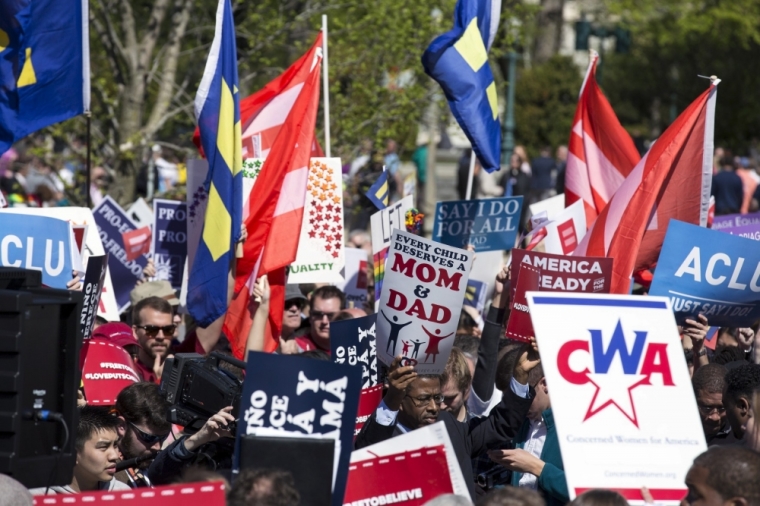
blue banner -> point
(302, 396)
(169, 240)
(353, 342)
(112, 222)
(38, 243)
(709, 272)
(489, 224)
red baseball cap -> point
(117, 333)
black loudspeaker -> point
(39, 373)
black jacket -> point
(468, 439)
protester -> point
(561, 161)
(96, 442)
(121, 335)
(599, 498)
(708, 383)
(325, 304)
(263, 487)
(13, 493)
(448, 500)
(737, 396)
(510, 496)
(727, 189)
(724, 475)
(543, 173)
(294, 304)
(456, 381)
(152, 324)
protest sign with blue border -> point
(38, 243)
(301, 396)
(169, 245)
(112, 222)
(709, 272)
(488, 224)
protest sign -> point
(320, 256)
(205, 493)
(80, 232)
(566, 273)
(92, 290)
(565, 231)
(81, 216)
(137, 242)
(735, 220)
(383, 224)
(169, 245)
(709, 272)
(108, 369)
(353, 342)
(747, 231)
(410, 184)
(369, 400)
(548, 208)
(410, 478)
(38, 243)
(519, 325)
(485, 268)
(430, 436)
(615, 365)
(355, 275)
(488, 224)
(140, 213)
(112, 222)
(475, 296)
(303, 397)
(422, 294)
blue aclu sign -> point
(709, 272)
(488, 225)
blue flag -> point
(44, 65)
(458, 61)
(217, 108)
(379, 193)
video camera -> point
(197, 388)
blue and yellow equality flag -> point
(44, 65)
(217, 109)
(458, 61)
(379, 193)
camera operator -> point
(142, 411)
(170, 462)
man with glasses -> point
(142, 411)
(326, 302)
(153, 325)
(708, 383)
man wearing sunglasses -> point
(142, 411)
(153, 325)
(326, 302)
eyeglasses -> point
(709, 410)
(148, 439)
(152, 330)
(318, 315)
(425, 400)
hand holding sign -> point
(399, 379)
(529, 359)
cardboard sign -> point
(410, 478)
(735, 220)
(108, 369)
(383, 224)
(488, 224)
(303, 397)
(519, 325)
(566, 229)
(206, 493)
(431, 436)
(353, 342)
(475, 296)
(746, 231)
(424, 286)
(140, 213)
(92, 290)
(369, 400)
(355, 274)
(112, 223)
(137, 242)
(38, 243)
(621, 393)
(320, 257)
(708, 272)
(566, 273)
(169, 245)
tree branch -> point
(130, 35)
(148, 42)
(113, 51)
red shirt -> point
(146, 373)
(306, 343)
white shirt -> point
(534, 445)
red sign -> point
(369, 400)
(410, 478)
(568, 237)
(208, 494)
(107, 370)
(519, 326)
(80, 232)
(136, 242)
(566, 273)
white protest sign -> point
(423, 290)
(548, 208)
(355, 274)
(620, 391)
(566, 229)
(251, 170)
(383, 224)
(141, 213)
(320, 257)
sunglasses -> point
(318, 315)
(152, 330)
(294, 302)
(148, 439)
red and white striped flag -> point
(601, 153)
(275, 213)
(672, 181)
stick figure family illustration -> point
(434, 339)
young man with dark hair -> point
(737, 396)
(96, 442)
(142, 411)
(708, 383)
(264, 487)
(724, 475)
(325, 304)
(456, 381)
(153, 325)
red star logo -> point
(318, 208)
(312, 234)
(335, 254)
(321, 235)
(329, 207)
(338, 237)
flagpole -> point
(468, 195)
(326, 85)
(88, 197)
